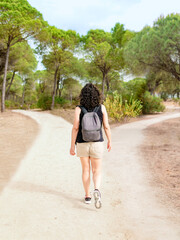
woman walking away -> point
(87, 135)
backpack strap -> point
(96, 109)
(83, 109)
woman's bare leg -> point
(96, 170)
(85, 162)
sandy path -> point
(43, 201)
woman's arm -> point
(75, 129)
(106, 127)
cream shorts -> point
(90, 149)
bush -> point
(61, 102)
(133, 107)
(118, 110)
(152, 104)
(11, 104)
(164, 96)
(134, 88)
(113, 105)
(44, 102)
(33, 106)
(24, 106)
(17, 105)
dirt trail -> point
(43, 201)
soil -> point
(161, 153)
(17, 134)
(45, 194)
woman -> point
(90, 152)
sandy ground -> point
(43, 200)
(161, 153)
(17, 133)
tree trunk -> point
(70, 97)
(107, 83)
(57, 87)
(7, 92)
(103, 84)
(60, 93)
(4, 79)
(23, 94)
(152, 89)
(61, 81)
(54, 88)
(178, 95)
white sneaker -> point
(97, 198)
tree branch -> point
(164, 67)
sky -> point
(83, 15)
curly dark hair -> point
(90, 96)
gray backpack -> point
(91, 125)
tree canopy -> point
(104, 51)
(157, 47)
(152, 55)
(18, 21)
(57, 53)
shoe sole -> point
(97, 199)
(87, 202)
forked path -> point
(43, 200)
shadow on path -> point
(29, 187)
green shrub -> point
(134, 88)
(11, 104)
(164, 95)
(17, 105)
(44, 102)
(114, 106)
(132, 108)
(119, 109)
(33, 106)
(152, 104)
(24, 106)
(61, 102)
